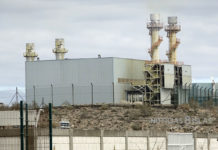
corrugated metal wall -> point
(69, 81)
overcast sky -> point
(112, 28)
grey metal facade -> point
(80, 81)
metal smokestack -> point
(30, 53)
(154, 27)
(172, 28)
(59, 49)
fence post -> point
(126, 141)
(92, 101)
(34, 96)
(166, 140)
(197, 93)
(101, 140)
(195, 141)
(189, 96)
(27, 125)
(208, 141)
(72, 94)
(193, 91)
(71, 139)
(21, 126)
(205, 93)
(50, 126)
(148, 141)
(52, 96)
(216, 97)
(113, 93)
(209, 94)
(185, 94)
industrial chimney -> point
(172, 28)
(154, 27)
(30, 53)
(59, 49)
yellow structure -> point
(59, 49)
(154, 27)
(172, 28)
(30, 53)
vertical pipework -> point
(59, 49)
(30, 53)
(154, 27)
(172, 28)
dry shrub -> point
(136, 126)
(145, 110)
(184, 107)
(208, 104)
(104, 107)
(84, 115)
(194, 104)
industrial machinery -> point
(161, 78)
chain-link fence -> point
(203, 96)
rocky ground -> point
(182, 119)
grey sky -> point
(108, 27)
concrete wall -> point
(64, 139)
(12, 118)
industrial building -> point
(109, 80)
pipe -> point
(154, 26)
(50, 126)
(21, 127)
(172, 28)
